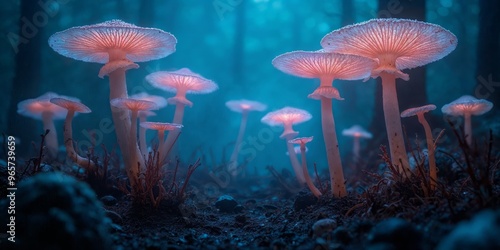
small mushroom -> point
(161, 127)
(180, 82)
(419, 112)
(356, 132)
(467, 106)
(327, 67)
(244, 107)
(302, 142)
(72, 108)
(296, 150)
(41, 108)
(134, 106)
(395, 44)
(160, 102)
(287, 117)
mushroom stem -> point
(172, 135)
(136, 160)
(332, 149)
(161, 140)
(68, 143)
(393, 123)
(355, 149)
(430, 150)
(142, 136)
(309, 182)
(233, 162)
(468, 128)
(293, 159)
(51, 138)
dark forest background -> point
(233, 43)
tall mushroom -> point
(356, 132)
(419, 112)
(134, 106)
(72, 108)
(302, 142)
(395, 44)
(467, 106)
(244, 107)
(287, 117)
(180, 82)
(327, 67)
(160, 103)
(161, 127)
(41, 108)
(117, 45)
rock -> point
(342, 235)
(479, 233)
(226, 204)
(108, 200)
(323, 226)
(303, 200)
(239, 209)
(396, 232)
(241, 218)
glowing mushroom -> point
(302, 142)
(134, 106)
(327, 67)
(419, 112)
(72, 108)
(118, 45)
(180, 82)
(356, 132)
(244, 107)
(41, 108)
(160, 103)
(296, 150)
(161, 127)
(467, 106)
(395, 44)
(287, 117)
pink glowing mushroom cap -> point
(414, 111)
(161, 126)
(70, 105)
(327, 92)
(133, 104)
(319, 64)
(296, 150)
(357, 131)
(396, 44)
(181, 82)
(286, 116)
(467, 104)
(94, 43)
(301, 140)
(245, 105)
(34, 108)
(161, 102)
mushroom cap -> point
(161, 102)
(245, 105)
(411, 43)
(161, 125)
(34, 108)
(146, 113)
(70, 105)
(133, 104)
(414, 111)
(181, 80)
(301, 140)
(318, 64)
(467, 104)
(327, 92)
(92, 43)
(357, 131)
(286, 115)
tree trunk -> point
(27, 76)
(488, 52)
(411, 93)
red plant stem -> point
(233, 162)
(51, 138)
(430, 150)
(309, 182)
(393, 123)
